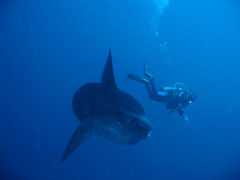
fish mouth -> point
(145, 126)
(142, 135)
(138, 126)
(149, 133)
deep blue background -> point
(49, 48)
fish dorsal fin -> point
(108, 75)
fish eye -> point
(132, 121)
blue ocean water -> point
(48, 49)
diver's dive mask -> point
(191, 97)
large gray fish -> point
(105, 110)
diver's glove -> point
(186, 118)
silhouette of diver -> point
(176, 98)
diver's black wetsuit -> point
(175, 98)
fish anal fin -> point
(78, 137)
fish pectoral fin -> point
(78, 137)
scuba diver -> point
(176, 98)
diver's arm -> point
(182, 113)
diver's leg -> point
(152, 91)
(151, 88)
(148, 78)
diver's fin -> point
(108, 75)
(147, 74)
(79, 136)
(137, 78)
